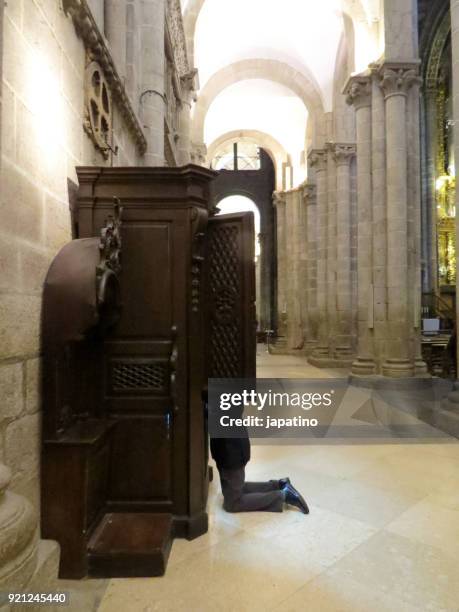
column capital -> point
(343, 153)
(358, 90)
(278, 198)
(188, 86)
(397, 78)
(198, 153)
(309, 193)
(318, 159)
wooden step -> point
(131, 544)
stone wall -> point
(42, 142)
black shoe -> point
(283, 482)
(294, 498)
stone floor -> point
(382, 535)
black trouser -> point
(241, 496)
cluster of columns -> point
(315, 253)
(349, 281)
(386, 102)
(335, 278)
(314, 286)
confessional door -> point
(231, 315)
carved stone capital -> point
(188, 86)
(309, 193)
(278, 198)
(358, 91)
(198, 153)
(318, 159)
(343, 153)
(397, 79)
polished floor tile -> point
(382, 534)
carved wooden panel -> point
(231, 296)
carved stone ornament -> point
(198, 154)
(318, 159)
(358, 90)
(174, 23)
(278, 198)
(396, 80)
(98, 109)
(309, 193)
(343, 153)
(96, 45)
(438, 47)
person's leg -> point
(237, 500)
(261, 487)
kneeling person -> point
(231, 456)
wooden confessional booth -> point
(154, 295)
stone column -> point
(184, 142)
(430, 254)
(115, 31)
(379, 226)
(303, 262)
(132, 41)
(343, 154)
(295, 336)
(400, 29)
(310, 241)
(265, 280)
(332, 312)
(358, 91)
(396, 80)
(318, 161)
(152, 100)
(414, 224)
(279, 203)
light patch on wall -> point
(45, 102)
(367, 47)
(257, 104)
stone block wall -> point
(42, 142)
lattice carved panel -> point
(138, 376)
(225, 290)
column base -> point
(364, 366)
(340, 357)
(321, 351)
(18, 541)
(398, 368)
(310, 346)
(420, 367)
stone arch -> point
(353, 10)
(303, 86)
(275, 150)
(237, 191)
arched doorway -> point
(241, 203)
(253, 185)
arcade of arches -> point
(338, 120)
